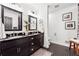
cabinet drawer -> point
(33, 49)
(34, 43)
(31, 38)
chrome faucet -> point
(13, 33)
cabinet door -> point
(9, 48)
(8, 44)
(23, 46)
(0, 52)
(10, 52)
(37, 41)
(0, 49)
(24, 49)
(41, 37)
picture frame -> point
(70, 25)
(33, 23)
(67, 16)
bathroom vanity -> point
(18, 44)
(21, 45)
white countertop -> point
(10, 38)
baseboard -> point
(46, 46)
(59, 43)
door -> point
(53, 28)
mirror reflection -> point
(12, 19)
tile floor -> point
(59, 50)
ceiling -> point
(53, 7)
(58, 6)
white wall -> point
(41, 13)
(2, 34)
(27, 8)
(57, 32)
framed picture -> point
(67, 16)
(70, 25)
(33, 23)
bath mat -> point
(42, 52)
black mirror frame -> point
(2, 15)
(30, 21)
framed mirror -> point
(12, 19)
(33, 23)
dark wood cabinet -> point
(9, 48)
(10, 52)
(41, 37)
(23, 46)
(0, 49)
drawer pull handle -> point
(32, 49)
(32, 38)
(18, 50)
(32, 43)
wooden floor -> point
(58, 50)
